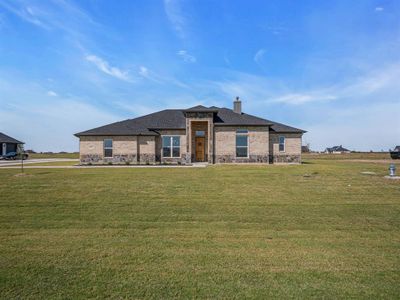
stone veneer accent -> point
(225, 144)
(125, 150)
(171, 160)
(233, 159)
(292, 153)
(263, 146)
(292, 158)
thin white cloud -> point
(52, 94)
(105, 67)
(379, 8)
(27, 13)
(173, 10)
(143, 71)
(65, 115)
(298, 99)
(186, 56)
(259, 55)
(275, 29)
(61, 15)
(263, 90)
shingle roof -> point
(175, 119)
(168, 119)
(226, 116)
(337, 149)
(201, 108)
(397, 148)
(8, 139)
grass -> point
(355, 155)
(317, 230)
(54, 155)
(54, 163)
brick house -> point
(197, 134)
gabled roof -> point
(228, 117)
(201, 108)
(168, 119)
(175, 119)
(8, 139)
(337, 149)
(397, 148)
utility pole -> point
(21, 153)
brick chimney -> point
(237, 106)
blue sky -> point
(329, 67)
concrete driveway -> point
(7, 163)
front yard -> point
(321, 229)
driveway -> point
(6, 163)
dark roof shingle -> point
(8, 139)
(175, 119)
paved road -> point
(7, 163)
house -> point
(337, 150)
(8, 144)
(395, 153)
(197, 134)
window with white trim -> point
(171, 146)
(108, 147)
(242, 143)
(281, 144)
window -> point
(281, 144)
(200, 133)
(171, 146)
(108, 148)
(242, 143)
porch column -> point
(188, 141)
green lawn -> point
(355, 155)
(54, 155)
(317, 230)
(53, 163)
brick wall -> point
(292, 151)
(147, 149)
(182, 158)
(225, 144)
(125, 149)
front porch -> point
(200, 140)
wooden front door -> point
(200, 148)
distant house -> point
(197, 134)
(305, 149)
(8, 144)
(395, 153)
(337, 150)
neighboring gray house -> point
(337, 150)
(8, 144)
(197, 134)
(395, 153)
